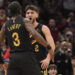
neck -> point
(14, 17)
(35, 24)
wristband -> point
(48, 47)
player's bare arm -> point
(48, 36)
(45, 62)
(49, 39)
(2, 34)
(34, 33)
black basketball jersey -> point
(38, 49)
(17, 36)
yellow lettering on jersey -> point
(17, 26)
(44, 72)
(14, 26)
(34, 41)
(8, 29)
(36, 48)
(16, 41)
(30, 36)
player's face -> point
(52, 72)
(32, 15)
(52, 23)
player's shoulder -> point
(42, 25)
(8, 20)
(45, 27)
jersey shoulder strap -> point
(39, 26)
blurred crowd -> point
(59, 16)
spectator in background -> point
(71, 21)
(68, 5)
(73, 44)
(3, 4)
(3, 17)
(55, 29)
(63, 60)
(57, 44)
(69, 36)
(71, 17)
(60, 19)
(52, 69)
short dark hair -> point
(52, 66)
(32, 7)
(14, 8)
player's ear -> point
(37, 15)
(56, 71)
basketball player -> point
(16, 31)
(32, 12)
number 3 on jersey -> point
(16, 41)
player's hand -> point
(26, 20)
(45, 63)
(27, 23)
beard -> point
(33, 21)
